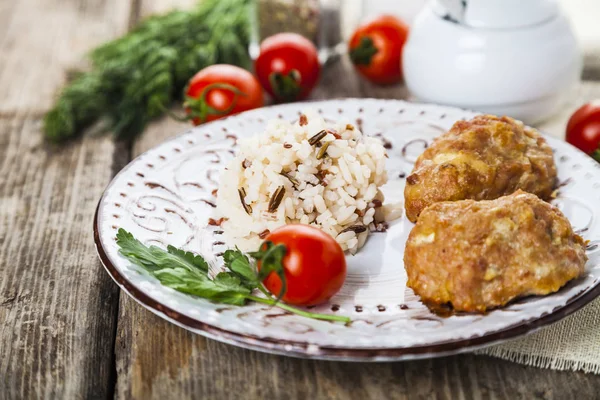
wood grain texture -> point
(169, 362)
(57, 306)
(40, 40)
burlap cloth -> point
(574, 342)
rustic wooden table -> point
(67, 332)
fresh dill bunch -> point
(135, 77)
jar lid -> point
(496, 14)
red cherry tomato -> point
(376, 49)
(583, 129)
(314, 265)
(221, 90)
(288, 66)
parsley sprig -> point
(187, 272)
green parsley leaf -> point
(230, 289)
(237, 262)
(183, 271)
(191, 258)
(223, 290)
(154, 258)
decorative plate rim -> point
(301, 349)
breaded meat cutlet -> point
(478, 255)
(481, 159)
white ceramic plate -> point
(165, 196)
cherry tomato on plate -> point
(376, 49)
(583, 129)
(221, 90)
(287, 66)
(314, 265)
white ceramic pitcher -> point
(506, 57)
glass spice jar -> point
(327, 23)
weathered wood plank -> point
(57, 305)
(42, 39)
(170, 362)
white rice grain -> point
(344, 237)
(344, 214)
(320, 204)
(345, 170)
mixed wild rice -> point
(312, 172)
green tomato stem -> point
(364, 52)
(302, 313)
(286, 87)
(199, 108)
(596, 154)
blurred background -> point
(583, 15)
